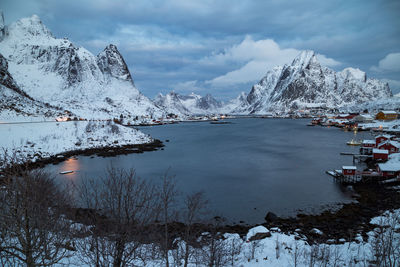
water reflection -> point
(69, 168)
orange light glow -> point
(62, 119)
(71, 164)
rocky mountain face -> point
(3, 28)
(15, 103)
(188, 104)
(58, 72)
(305, 83)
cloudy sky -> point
(223, 47)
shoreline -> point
(106, 151)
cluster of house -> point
(341, 120)
(379, 149)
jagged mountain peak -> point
(111, 62)
(305, 83)
(2, 24)
(30, 27)
(54, 70)
(304, 59)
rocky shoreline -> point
(101, 151)
(336, 227)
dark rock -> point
(271, 217)
(260, 236)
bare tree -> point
(34, 231)
(234, 247)
(194, 209)
(167, 195)
(214, 248)
(386, 242)
(296, 253)
(123, 206)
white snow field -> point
(43, 139)
(281, 249)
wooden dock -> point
(352, 179)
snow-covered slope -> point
(56, 71)
(305, 83)
(16, 105)
(188, 104)
(391, 103)
(171, 104)
(238, 103)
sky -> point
(224, 47)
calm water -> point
(246, 168)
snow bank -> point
(44, 139)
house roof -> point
(380, 151)
(387, 136)
(349, 168)
(372, 142)
(391, 142)
(387, 112)
(392, 165)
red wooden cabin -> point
(380, 154)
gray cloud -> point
(170, 44)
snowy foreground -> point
(44, 139)
(291, 250)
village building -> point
(349, 171)
(391, 146)
(367, 146)
(382, 138)
(345, 116)
(363, 118)
(380, 154)
(386, 115)
(391, 168)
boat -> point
(353, 142)
(66, 172)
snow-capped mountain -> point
(17, 105)
(171, 104)
(238, 103)
(188, 104)
(305, 83)
(56, 71)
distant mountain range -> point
(305, 83)
(45, 75)
(188, 104)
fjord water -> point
(245, 168)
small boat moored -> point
(66, 172)
(353, 142)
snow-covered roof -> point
(366, 116)
(392, 165)
(388, 136)
(349, 168)
(391, 142)
(380, 151)
(369, 142)
(388, 112)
